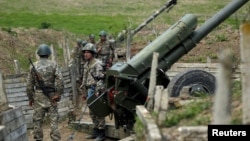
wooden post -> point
(53, 58)
(17, 67)
(3, 97)
(128, 51)
(152, 83)
(245, 73)
(68, 50)
(73, 82)
(65, 55)
(152, 131)
(157, 98)
(223, 94)
(163, 107)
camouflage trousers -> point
(98, 122)
(38, 119)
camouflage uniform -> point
(105, 51)
(77, 58)
(91, 39)
(93, 72)
(52, 77)
(93, 69)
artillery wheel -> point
(198, 80)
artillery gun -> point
(127, 83)
(169, 5)
(120, 51)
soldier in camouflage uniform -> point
(51, 76)
(78, 61)
(92, 39)
(93, 72)
(105, 50)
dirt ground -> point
(67, 132)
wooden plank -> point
(68, 85)
(245, 67)
(66, 78)
(16, 99)
(3, 97)
(15, 90)
(10, 95)
(65, 73)
(14, 76)
(15, 85)
(65, 69)
(157, 98)
(66, 81)
(152, 131)
(19, 103)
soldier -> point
(105, 50)
(44, 89)
(93, 72)
(91, 39)
(78, 60)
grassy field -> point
(85, 17)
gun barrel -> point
(200, 33)
(163, 44)
(169, 4)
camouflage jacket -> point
(106, 48)
(93, 71)
(50, 74)
(78, 60)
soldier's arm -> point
(99, 70)
(84, 74)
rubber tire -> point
(189, 78)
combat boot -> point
(94, 134)
(101, 135)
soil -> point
(68, 133)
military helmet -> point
(84, 42)
(92, 36)
(102, 33)
(89, 47)
(43, 49)
(79, 41)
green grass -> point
(84, 17)
(79, 24)
(199, 112)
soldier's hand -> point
(31, 102)
(56, 98)
(97, 94)
(84, 97)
